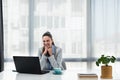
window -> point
(66, 20)
(15, 18)
(105, 27)
(26, 20)
(84, 29)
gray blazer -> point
(55, 61)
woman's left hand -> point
(50, 51)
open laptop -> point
(28, 64)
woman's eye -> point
(47, 40)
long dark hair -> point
(49, 35)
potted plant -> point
(106, 69)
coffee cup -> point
(57, 71)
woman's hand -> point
(47, 49)
(50, 51)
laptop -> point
(28, 64)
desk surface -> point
(67, 75)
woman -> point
(50, 55)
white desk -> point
(67, 75)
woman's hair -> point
(49, 35)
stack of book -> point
(86, 76)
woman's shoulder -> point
(58, 48)
(40, 49)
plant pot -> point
(106, 72)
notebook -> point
(28, 64)
(89, 75)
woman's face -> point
(47, 41)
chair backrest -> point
(64, 65)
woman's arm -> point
(42, 58)
(56, 59)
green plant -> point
(105, 60)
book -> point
(85, 75)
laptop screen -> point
(27, 64)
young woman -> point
(50, 55)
